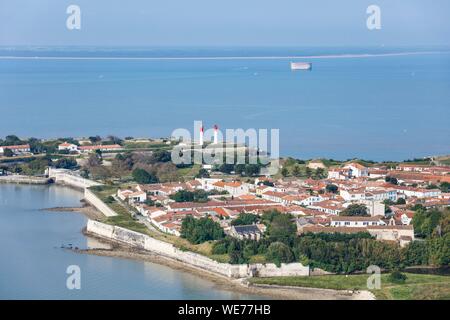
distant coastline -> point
(333, 56)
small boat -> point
(301, 66)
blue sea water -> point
(391, 107)
(33, 265)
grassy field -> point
(416, 286)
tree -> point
(226, 168)
(93, 161)
(282, 229)
(397, 277)
(284, 172)
(161, 156)
(391, 180)
(114, 140)
(202, 173)
(11, 140)
(358, 210)
(426, 222)
(8, 153)
(66, 163)
(308, 172)
(278, 253)
(95, 139)
(251, 170)
(144, 177)
(445, 187)
(245, 219)
(269, 215)
(296, 171)
(331, 188)
(401, 201)
(319, 174)
(200, 230)
(190, 196)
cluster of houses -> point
(16, 149)
(24, 149)
(73, 148)
(309, 201)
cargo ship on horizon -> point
(301, 66)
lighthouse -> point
(216, 129)
(200, 141)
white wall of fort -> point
(168, 250)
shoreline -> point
(122, 251)
(86, 209)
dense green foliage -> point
(144, 177)
(279, 252)
(190, 196)
(282, 229)
(332, 188)
(200, 230)
(428, 223)
(7, 152)
(397, 277)
(202, 173)
(245, 219)
(66, 163)
(355, 210)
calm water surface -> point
(33, 265)
(379, 108)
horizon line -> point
(332, 56)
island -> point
(321, 225)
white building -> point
(419, 192)
(17, 150)
(356, 221)
(374, 208)
(357, 170)
(68, 146)
(132, 196)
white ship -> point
(301, 66)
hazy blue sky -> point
(226, 22)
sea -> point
(34, 263)
(374, 103)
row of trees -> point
(341, 253)
(245, 170)
(200, 230)
(306, 172)
(37, 166)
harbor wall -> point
(65, 177)
(192, 259)
(92, 199)
(20, 179)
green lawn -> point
(416, 287)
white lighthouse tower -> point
(200, 141)
(216, 133)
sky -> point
(224, 23)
